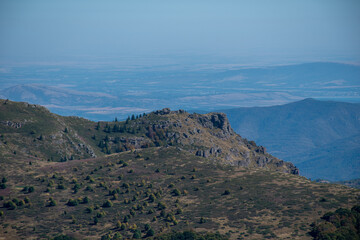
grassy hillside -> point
(305, 130)
(166, 188)
(152, 174)
(31, 131)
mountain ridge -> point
(209, 135)
(292, 130)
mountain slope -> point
(338, 160)
(31, 131)
(166, 188)
(152, 174)
(291, 130)
(208, 135)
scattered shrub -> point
(107, 204)
(226, 192)
(176, 192)
(72, 202)
(161, 205)
(137, 234)
(150, 233)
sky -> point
(207, 30)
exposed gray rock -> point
(163, 111)
(209, 152)
(216, 121)
(261, 149)
(12, 124)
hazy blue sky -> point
(34, 30)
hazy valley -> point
(105, 92)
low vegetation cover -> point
(152, 192)
(190, 235)
(160, 195)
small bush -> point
(226, 192)
(52, 202)
(72, 202)
(31, 189)
(161, 205)
(137, 234)
(150, 233)
(176, 192)
(9, 205)
(85, 200)
(107, 204)
(89, 209)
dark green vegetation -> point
(190, 235)
(321, 137)
(172, 184)
(341, 224)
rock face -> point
(216, 121)
(12, 124)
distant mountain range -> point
(44, 95)
(321, 137)
(71, 102)
(103, 93)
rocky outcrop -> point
(205, 135)
(87, 149)
(209, 152)
(166, 111)
(211, 136)
(12, 124)
(216, 121)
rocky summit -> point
(211, 136)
